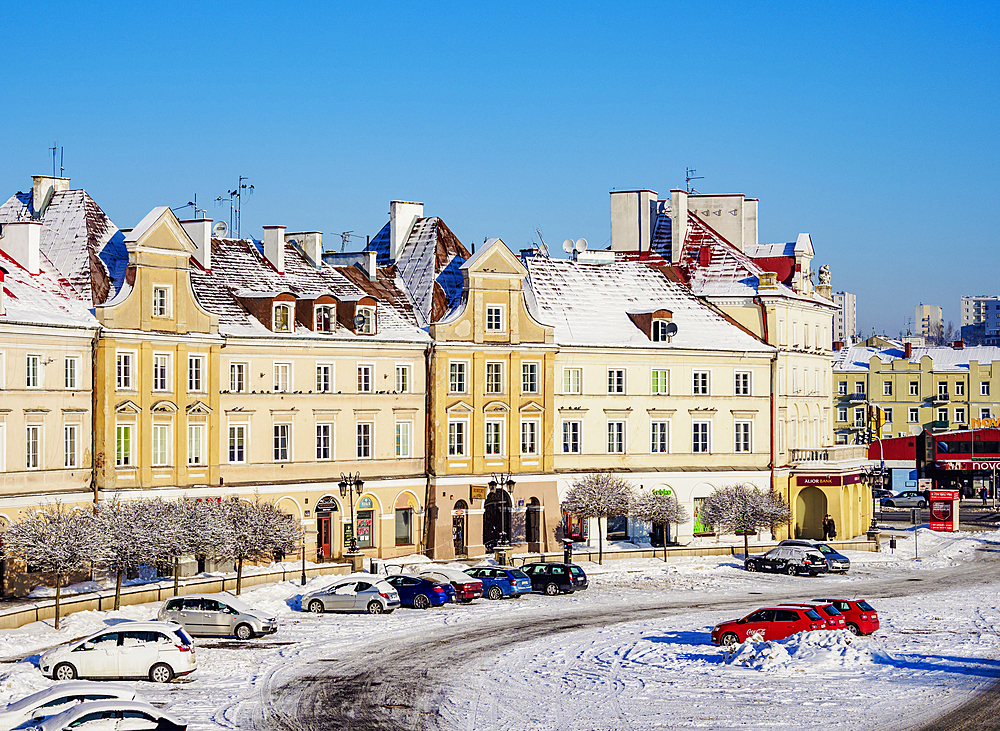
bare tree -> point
(256, 531)
(743, 508)
(659, 510)
(602, 495)
(58, 541)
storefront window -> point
(366, 521)
(404, 527)
(700, 526)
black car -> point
(555, 578)
(835, 561)
(789, 560)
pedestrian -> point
(984, 493)
(833, 528)
(827, 521)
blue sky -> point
(872, 127)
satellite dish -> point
(671, 329)
(568, 246)
(581, 245)
(220, 229)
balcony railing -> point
(836, 453)
(856, 398)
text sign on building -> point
(944, 509)
(663, 491)
(477, 492)
(824, 480)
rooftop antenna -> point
(191, 204)
(60, 150)
(344, 236)
(235, 198)
(542, 246)
(689, 175)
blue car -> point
(421, 593)
(500, 582)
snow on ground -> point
(931, 653)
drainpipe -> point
(94, 411)
(773, 407)
(430, 502)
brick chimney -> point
(274, 247)
(21, 241)
(838, 345)
(959, 344)
(908, 350)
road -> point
(393, 685)
(972, 515)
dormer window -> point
(324, 318)
(161, 302)
(494, 318)
(282, 319)
(364, 321)
(659, 331)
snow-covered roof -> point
(428, 267)
(855, 358)
(588, 304)
(43, 299)
(145, 224)
(758, 251)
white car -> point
(353, 593)
(157, 651)
(217, 614)
(60, 697)
(112, 716)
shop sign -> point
(967, 465)
(986, 466)
(943, 507)
(852, 479)
(348, 533)
(326, 506)
(824, 480)
(477, 492)
(458, 513)
(663, 491)
(365, 503)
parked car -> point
(421, 593)
(555, 578)
(789, 560)
(112, 715)
(158, 651)
(60, 697)
(830, 614)
(217, 614)
(905, 499)
(835, 561)
(500, 581)
(466, 587)
(772, 623)
(354, 593)
(878, 493)
(862, 619)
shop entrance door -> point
(458, 518)
(323, 534)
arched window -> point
(282, 321)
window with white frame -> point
(659, 442)
(888, 415)
(859, 387)
(572, 379)
(161, 445)
(324, 441)
(196, 373)
(529, 437)
(660, 382)
(161, 302)
(237, 443)
(659, 331)
(959, 388)
(984, 388)
(282, 432)
(700, 436)
(494, 318)
(984, 413)
(365, 316)
(494, 438)
(860, 417)
(71, 444)
(743, 430)
(616, 380)
(942, 414)
(125, 380)
(33, 446)
(616, 437)
(403, 430)
(281, 318)
(123, 445)
(842, 387)
(494, 377)
(887, 388)
(161, 371)
(324, 377)
(196, 444)
(282, 377)
(456, 377)
(72, 372)
(699, 383)
(365, 373)
(324, 317)
(364, 432)
(913, 415)
(571, 437)
(960, 415)
(237, 377)
(742, 385)
(402, 378)
(942, 389)
(529, 378)
(456, 438)
(914, 388)
(841, 413)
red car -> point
(830, 613)
(862, 619)
(772, 623)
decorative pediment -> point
(661, 412)
(198, 407)
(532, 407)
(743, 413)
(496, 407)
(164, 407)
(128, 407)
(460, 407)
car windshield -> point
(517, 574)
(865, 606)
(832, 611)
(184, 637)
(811, 613)
(823, 548)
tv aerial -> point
(542, 246)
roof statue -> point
(824, 276)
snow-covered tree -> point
(743, 508)
(199, 528)
(256, 531)
(58, 541)
(601, 495)
(659, 510)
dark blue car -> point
(500, 582)
(421, 593)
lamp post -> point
(504, 484)
(303, 558)
(349, 485)
(873, 475)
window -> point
(237, 443)
(742, 383)
(529, 378)
(404, 526)
(494, 377)
(914, 388)
(887, 388)
(659, 331)
(456, 377)
(943, 389)
(842, 387)
(699, 385)
(456, 438)
(913, 415)
(984, 413)
(161, 371)
(494, 443)
(282, 377)
(571, 380)
(402, 379)
(196, 444)
(888, 415)
(237, 377)
(984, 388)
(364, 378)
(364, 440)
(860, 417)
(324, 434)
(126, 362)
(942, 414)
(324, 378)
(72, 372)
(365, 319)
(324, 318)
(743, 430)
(33, 445)
(494, 319)
(616, 437)
(960, 415)
(123, 445)
(616, 380)
(959, 388)
(699, 436)
(161, 445)
(161, 302)
(571, 437)
(529, 437)
(282, 319)
(70, 441)
(841, 413)
(660, 382)
(659, 437)
(281, 442)
(859, 387)
(403, 438)
(196, 370)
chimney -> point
(200, 231)
(678, 224)
(311, 244)
(838, 345)
(402, 216)
(3, 304)
(274, 247)
(959, 344)
(908, 350)
(633, 213)
(43, 188)
(20, 242)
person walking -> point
(827, 521)
(984, 493)
(832, 527)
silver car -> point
(61, 697)
(365, 593)
(108, 715)
(905, 499)
(219, 615)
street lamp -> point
(348, 486)
(873, 475)
(503, 483)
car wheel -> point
(854, 629)
(750, 566)
(551, 589)
(161, 673)
(243, 631)
(730, 640)
(316, 606)
(790, 569)
(921, 505)
(421, 601)
(495, 593)
(64, 671)
(375, 607)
